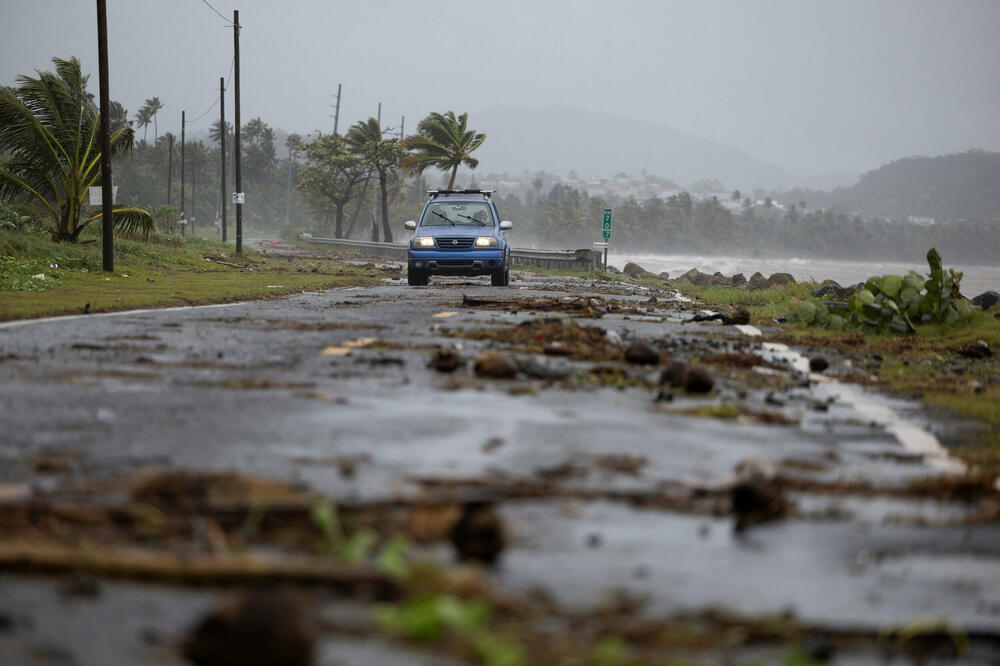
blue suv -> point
(459, 233)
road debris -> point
(345, 348)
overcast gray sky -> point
(832, 86)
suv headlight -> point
(423, 241)
(486, 241)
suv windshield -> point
(458, 213)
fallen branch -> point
(133, 563)
(227, 263)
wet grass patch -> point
(157, 273)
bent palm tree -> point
(380, 153)
(441, 141)
(49, 133)
(144, 118)
(153, 106)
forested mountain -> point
(948, 187)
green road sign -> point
(607, 233)
(607, 220)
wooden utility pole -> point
(224, 204)
(170, 166)
(402, 124)
(183, 123)
(236, 127)
(194, 190)
(107, 225)
(336, 112)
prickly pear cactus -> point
(892, 303)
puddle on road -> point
(830, 573)
(912, 437)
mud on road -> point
(616, 470)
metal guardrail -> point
(575, 259)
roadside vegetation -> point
(41, 278)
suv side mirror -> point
(410, 224)
(506, 226)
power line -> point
(221, 15)
(216, 102)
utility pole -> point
(194, 190)
(402, 124)
(336, 113)
(170, 165)
(236, 123)
(183, 124)
(375, 191)
(222, 151)
(107, 225)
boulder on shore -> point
(694, 276)
(756, 281)
(779, 279)
(738, 280)
(986, 300)
(636, 271)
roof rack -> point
(436, 193)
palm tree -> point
(380, 153)
(143, 118)
(441, 141)
(154, 106)
(215, 133)
(49, 132)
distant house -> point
(920, 220)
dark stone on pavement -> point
(446, 360)
(698, 380)
(739, 318)
(495, 365)
(756, 501)
(818, 364)
(641, 353)
(986, 300)
(264, 628)
(675, 374)
(478, 534)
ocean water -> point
(976, 279)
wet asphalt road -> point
(253, 388)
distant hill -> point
(948, 187)
(560, 139)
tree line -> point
(49, 159)
(365, 182)
(564, 217)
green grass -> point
(157, 273)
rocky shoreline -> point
(827, 288)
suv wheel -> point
(500, 277)
(416, 278)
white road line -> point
(26, 322)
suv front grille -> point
(455, 242)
